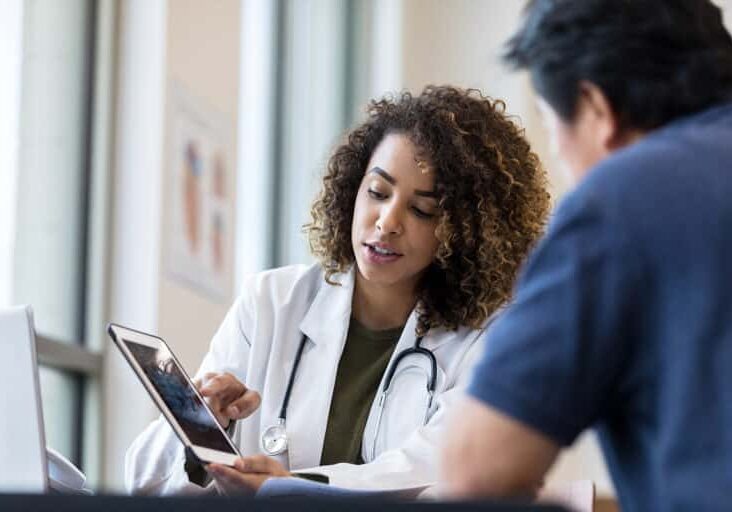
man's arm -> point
(554, 359)
(488, 454)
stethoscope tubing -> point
(416, 349)
(286, 400)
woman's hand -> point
(228, 398)
(247, 475)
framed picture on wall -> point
(199, 196)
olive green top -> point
(362, 365)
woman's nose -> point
(389, 221)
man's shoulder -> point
(668, 158)
(670, 182)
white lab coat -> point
(257, 343)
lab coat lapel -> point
(326, 326)
(441, 336)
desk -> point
(59, 503)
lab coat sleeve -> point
(154, 463)
(413, 467)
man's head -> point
(608, 71)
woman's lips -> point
(380, 254)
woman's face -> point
(395, 215)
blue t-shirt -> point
(622, 320)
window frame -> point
(83, 359)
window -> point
(58, 183)
(10, 57)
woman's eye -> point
(376, 194)
(422, 214)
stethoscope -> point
(274, 437)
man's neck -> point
(380, 307)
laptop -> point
(23, 465)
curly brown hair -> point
(492, 199)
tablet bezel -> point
(120, 333)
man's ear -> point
(599, 113)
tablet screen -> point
(179, 395)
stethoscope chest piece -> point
(274, 439)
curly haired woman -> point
(345, 369)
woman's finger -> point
(221, 415)
(221, 391)
(245, 405)
(226, 387)
(260, 464)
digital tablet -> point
(175, 395)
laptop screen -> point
(22, 441)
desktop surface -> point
(68, 503)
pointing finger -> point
(245, 405)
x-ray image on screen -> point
(180, 397)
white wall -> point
(459, 42)
(202, 44)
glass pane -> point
(11, 35)
(50, 243)
(60, 392)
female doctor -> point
(345, 369)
